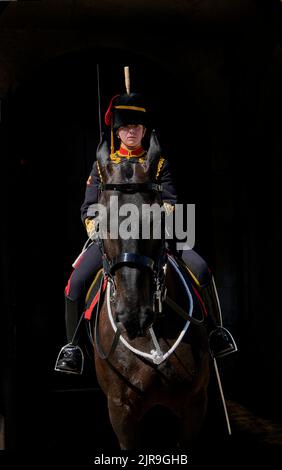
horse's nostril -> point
(132, 334)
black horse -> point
(146, 356)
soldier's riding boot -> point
(70, 359)
(221, 342)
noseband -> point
(135, 259)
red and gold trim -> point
(124, 153)
(89, 181)
(132, 108)
(99, 172)
(160, 165)
(138, 152)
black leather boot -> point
(70, 359)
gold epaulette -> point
(99, 172)
(160, 165)
(115, 158)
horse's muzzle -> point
(136, 323)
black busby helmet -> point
(124, 110)
(127, 109)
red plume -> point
(108, 114)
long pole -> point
(222, 397)
(99, 100)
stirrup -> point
(73, 354)
(221, 342)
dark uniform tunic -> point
(91, 260)
(91, 194)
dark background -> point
(214, 86)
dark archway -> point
(218, 99)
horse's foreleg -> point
(193, 416)
(124, 423)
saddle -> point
(92, 296)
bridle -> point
(156, 267)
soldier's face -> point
(131, 135)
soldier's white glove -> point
(169, 208)
(91, 228)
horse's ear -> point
(103, 151)
(154, 151)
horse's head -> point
(133, 252)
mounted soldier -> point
(127, 117)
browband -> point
(131, 187)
